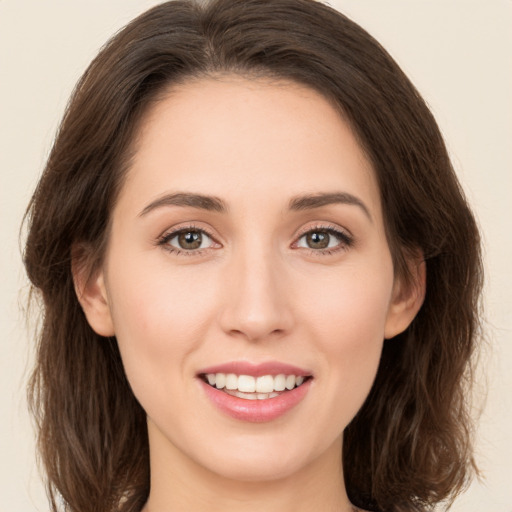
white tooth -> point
(247, 396)
(250, 396)
(239, 394)
(220, 380)
(246, 383)
(265, 384)
(299, 380)
(290, 381)
(211, 379)
(279, 382)
(231, 381)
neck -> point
(178, 484)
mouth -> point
(249, 387)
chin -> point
(265, 460)
(254, 471)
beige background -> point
(457, 52)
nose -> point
(257, 302)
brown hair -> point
(409, 446)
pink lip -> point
(256, 370)
(255, 411)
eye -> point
(324, 239)
(188, 239)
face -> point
(248, 279)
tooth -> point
(245, 395)
(279, 382)
(262, 396)
(220, 380)
(231, 381)
(246, 383)
(265, 384)
(239, 394)
(273, 395)
(290, 381)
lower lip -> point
(256, 411)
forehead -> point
(229, 134)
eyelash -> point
(345, 240)
(167, 237)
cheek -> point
(157, 302)
(157, 321)
(161, 316)
(350, 305)
(347, 320)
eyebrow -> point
(311, 201)
(199, 201)
(212, 203)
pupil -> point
(190, 240)
(318, 240)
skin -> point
(254, 292)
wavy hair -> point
(409, 447)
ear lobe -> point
(92, 296)
(407, 299)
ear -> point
(408, 296)
(92, 294)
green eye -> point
(319, 239)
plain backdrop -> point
(458, 54)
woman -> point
(260, 276)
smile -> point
(255, 393)
(249, 387)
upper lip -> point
(256, 369)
